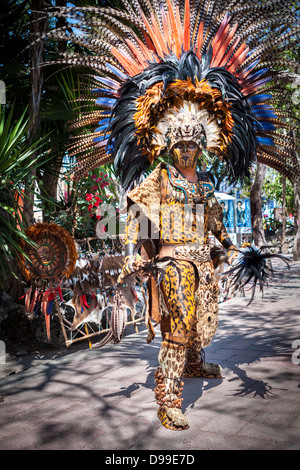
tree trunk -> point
(38, 27)
(256, 206)
(50, 180)
(284, 247)
(296, 247)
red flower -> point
(88, 197)
(90, 207)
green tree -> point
(15, 167)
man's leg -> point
(204, 325)
(179, 291)
(196, 366)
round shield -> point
(53, 255)
(49, 258)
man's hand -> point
(232, 254)
(131, 266)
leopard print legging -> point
(191, 297)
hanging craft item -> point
(86, 285)
(50, 258)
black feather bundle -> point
(252, 266)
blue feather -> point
(259, 99)
(265, 114)
(251, 66)
(99, 139)
(262, 126)
(108, 82)
(256, 75)
(116, 71)
(102, 128)
(49, 306)
(109, 102)
(107, 91)
(103, 125)
(264, 141)
(110, 149)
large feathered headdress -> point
(219, 60)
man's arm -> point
(218, 229)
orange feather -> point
(187, 26)
(220, 47)
(136, 52)
(145, 50)
(172, 20)
(151, 34)
(238, 58)
(179, 26)
(158, 35)
(199, 39)
(149, 43)
(131, 67)
(219, 33)
(166, 28)
(228, 55)
(228, 40)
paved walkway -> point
(89, 399)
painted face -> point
(185, 154)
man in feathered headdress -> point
(180, 203)
(172, 80)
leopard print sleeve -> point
(132, 232)
(215, 222)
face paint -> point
(185, 154)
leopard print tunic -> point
(187, 213)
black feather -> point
(252, 266)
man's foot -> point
(208, 370)
(172, 418)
